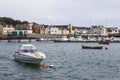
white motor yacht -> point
(28, 54)
(72, 39)
(79, 38)
(61, 39)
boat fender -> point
(51, 66)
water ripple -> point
(70, 60)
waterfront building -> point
(64, 29)
(70, 28)
(43, 29)
(75, 29)
(83, 30)
(95, 30)
(31, 24)
(5, 30)
(98, 30)
(21, 33)
(112, 30)
(118, 31)
(0, 30)
(35, 29)
(54, 30)
(103, 30)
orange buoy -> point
(44, 65)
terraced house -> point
(101, 30)
(54, 29)
(6, 29)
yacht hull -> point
(31, 60)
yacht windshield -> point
(30, 50)
(25, 50)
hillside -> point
(11, 21)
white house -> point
(54, 30)
(5, 30)
(112, 30)
(98, 30)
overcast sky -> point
(77, 12)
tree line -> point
(11, 21)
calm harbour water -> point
(70, 60)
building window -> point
(115, 30)
(109, 30)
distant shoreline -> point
(15, 38)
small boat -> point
(79, 38)
(38, 39)
(41, 39)
(72, 39)
(61, 39)
(92, 47)
(27, 53)
(104, 42)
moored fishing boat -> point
(92, 47)
(104, 42)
